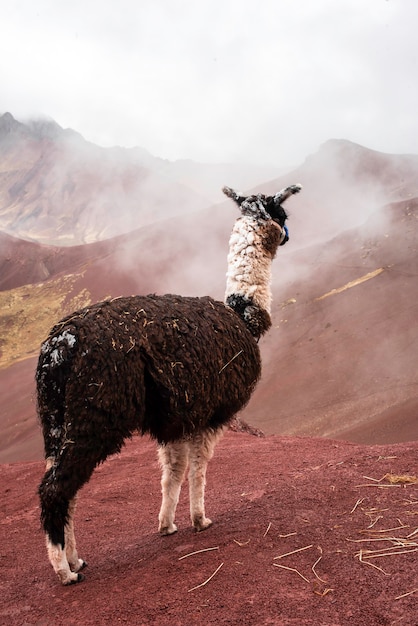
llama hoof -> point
(79, 579)
(202, 524)
(77, 567)
(73, 581)
(167, 530)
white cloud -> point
(216, 80)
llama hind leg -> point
(201, 451)
(57, 493)
(61, 546)
(54, 514)
(76, 564)
(173, 459)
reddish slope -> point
(183, 253)
(23, 262)
(345, 365)
(21, 437)
(288, 495)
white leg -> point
(58, 560)
(75, 563)
(201, 451)
(64, 560)
(173, 458)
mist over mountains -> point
(57, 188)
(79, 223)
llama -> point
(175, 368)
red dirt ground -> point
(268, 497)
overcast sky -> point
(262, 81)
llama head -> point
(264, 208)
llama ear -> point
(233, 195)
(285, 193)
(228, 191)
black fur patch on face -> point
(256, 319)
(276, 211)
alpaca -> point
(175, 368)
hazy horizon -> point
(216, 82)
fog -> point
(219, 81)
(70, 191)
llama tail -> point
(285, 193)
(51, 374)
(56, 489)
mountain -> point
(57, 188)
(344, 183)
(340, 358)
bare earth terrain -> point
(306, 531)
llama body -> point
(176, 368)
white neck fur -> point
(249, 263)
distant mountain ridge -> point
(34, 129)
(57, 188)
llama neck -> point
(252, 247)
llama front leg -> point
(173, 459)
(201, 451)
